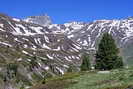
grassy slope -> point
(116, 79)
(89, 81)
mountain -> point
(29, 52)
(43, 20)
(88, 35)
(34, 48)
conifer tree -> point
(107, 55)
(85, 63)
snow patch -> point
(45, 46)
(25, 46)
(50, 57)
(6, 44)
(58, 49)
(85, 43)
(62, 72)
(46, 39)
(25, 52)
(68, 59)
(37, 29)
(19, 59)
(1, 29)
(46, 68)
(66, 66)
(2, 25)
(15, 19)
(70, 36)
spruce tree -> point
(85, 63)
(70, 69)
(107, 55)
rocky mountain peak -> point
(43, 20)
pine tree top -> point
(107, 45)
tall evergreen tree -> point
(107, 55)
(85, 63)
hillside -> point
(29, 52)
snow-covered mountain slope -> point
(88, 35)
(29, 52)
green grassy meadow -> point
(115, 79)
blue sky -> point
(62, 11)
